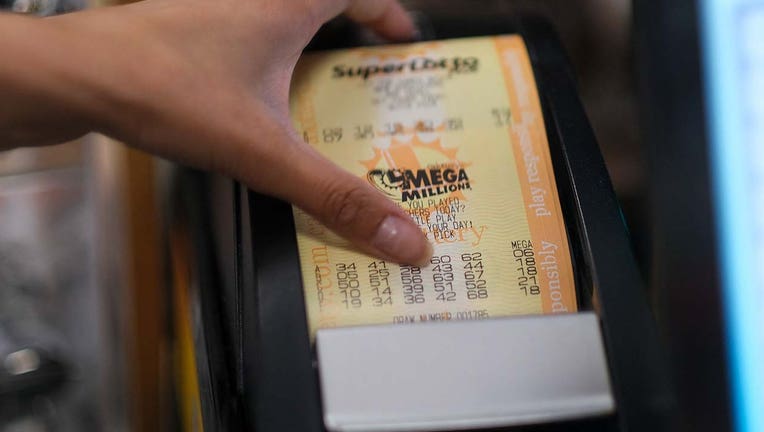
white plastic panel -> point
(463, 374)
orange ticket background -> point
(453, 132)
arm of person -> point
(205, 83)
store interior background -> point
(81, 270)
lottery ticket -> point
(452, 131)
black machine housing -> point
(257, 370)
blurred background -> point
(82, 295)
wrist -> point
(64, 76)
(45, 96)
(96, 65)
(120, 66)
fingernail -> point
(402, 241)
(416, 30)
(416, 35)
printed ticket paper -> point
(451, 131)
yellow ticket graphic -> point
(451, 131)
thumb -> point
(385, 17)
(346, 204)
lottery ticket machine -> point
(531, 314)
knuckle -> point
(311, 14)
(369, 12)
(343, 206)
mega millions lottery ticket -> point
(452, 131)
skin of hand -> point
(205, 83)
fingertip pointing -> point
(402, 240)
(425, 258)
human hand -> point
(206, 83)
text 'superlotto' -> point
(451, 131)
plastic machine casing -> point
(257, 369)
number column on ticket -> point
(348, 285)
(443, 278)
(379, 284)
